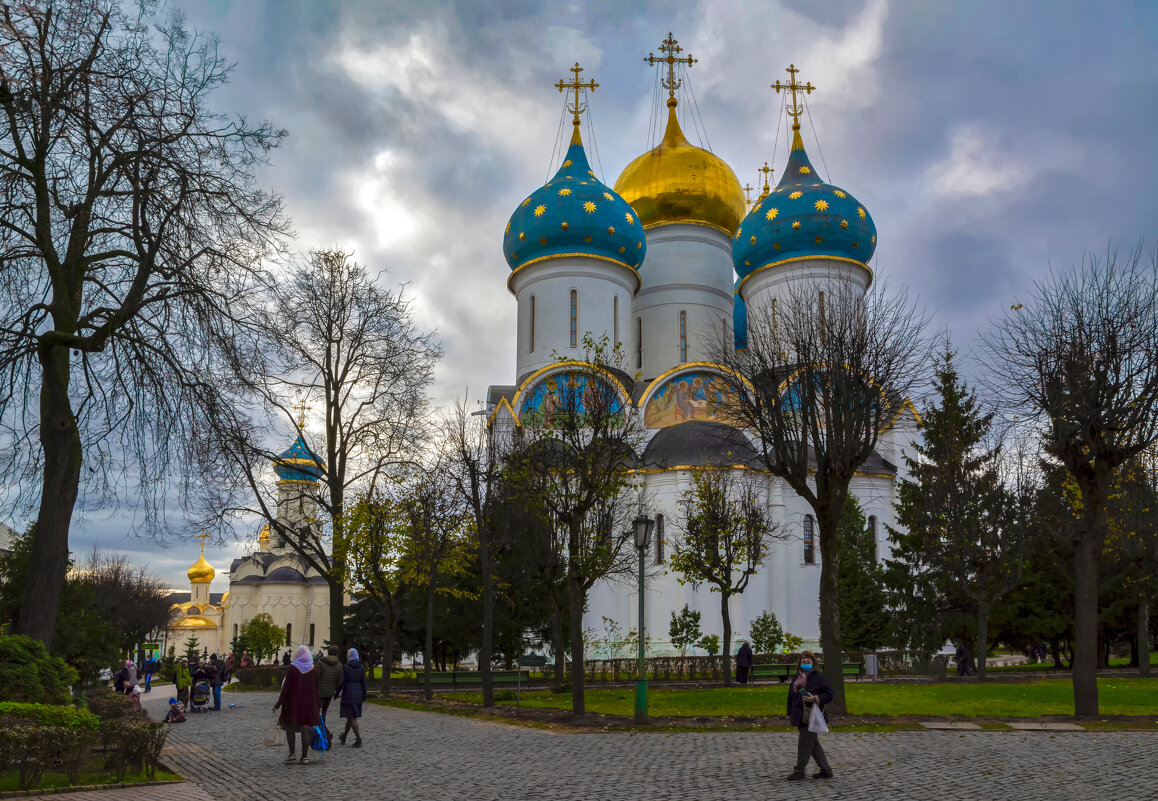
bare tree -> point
(1078, 359)
(825, 371)
(131, 230)
(726, 535)
(583, 440)
(346, 343)
(127, 596)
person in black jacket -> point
(743, 663)
(353, 690)
(216, 671)
(808, 689)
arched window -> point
(235, 631)
(574, 318)
(532, 324)
(311, 635)
(809, 540)
(659, 543)
(615, 320)
(288, 633)
(683, 336)
(638, 342)
(872, 530)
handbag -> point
(275, 736)
(320, 741)
(816, 721)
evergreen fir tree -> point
(863, 622)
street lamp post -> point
(641, 528)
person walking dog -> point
(809, 689)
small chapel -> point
(658, 264)
(273, 579)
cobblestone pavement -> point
(419, 756)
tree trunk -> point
(575, 593)
(387, 656)
(982, 639)
(557, 644)
(1085, 656)
(337, 613)
(1144, 635)
(428, 648)
(1055, 652)
(727, 618)
(488, 620)
(830, 604)
(60, 441)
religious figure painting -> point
(694, 395)
(564, 393)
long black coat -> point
(817, 685)
(744, 656)
(353, 682)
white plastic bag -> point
(816, 721)
(275, 736)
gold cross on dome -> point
(301, 409)
(203, 537)
(577, 107)
(748, 193)
(767, 173)
(792, 86)
(669, 48)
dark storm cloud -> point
(988, 140)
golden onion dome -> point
(677, 182)
(264, 535)
(194, 622)
(201, 572)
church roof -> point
(285, 575)
(181, 597)
(699, 443)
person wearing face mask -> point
(808, 689)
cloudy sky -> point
(989, 140)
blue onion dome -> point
(803, 217)
(298, 463)
(739, 320)
(574, 214)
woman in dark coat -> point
(810, 688)
(353, 694)
(743, 662)
(299, 703)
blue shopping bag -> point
(320, 741)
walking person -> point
(353, 694)
(216, 671)
(299, 704)
(810, 688)
(184, 682)
(329, 680)
(743, 663)
(126, 678)
(151, 667)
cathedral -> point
(274, 579)
(659, 264)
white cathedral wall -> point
(295, 604)
(603, 294)
(688, 268)
(784, 585)
(759, 289)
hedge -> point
(46, 715)
(263, 676)
(109, 705)
(29, 674)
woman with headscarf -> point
(809, 689)
(353, 694)
(299, 703)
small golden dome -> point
(677, 182)
(194, 622)
(201, 572)
(264, 535)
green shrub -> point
(565, 687)
(504, 695)
(263, 676)
(29, 674)
(65, 717)
(133, 745)
(109, 705)
(33, 750)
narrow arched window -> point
(311, 635)
(659, 543)
(532, 337)
(574, 318)
(289, 633)
(638, 343)
(809, 540)
(683, 336)
(235, 631)
(615, 321)
(872, 530)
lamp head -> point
(641, 527)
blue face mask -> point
(806, 666)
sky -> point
(989, 140)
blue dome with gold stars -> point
(574, 214)
(803, 217)
(298, 463)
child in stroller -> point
(201, 696)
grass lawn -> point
(9, 780)
(1030, 699)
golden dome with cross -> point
(201, 572)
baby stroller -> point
(201, 696)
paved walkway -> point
(419, 756)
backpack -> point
(320, 741)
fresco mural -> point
(693, 395)
(560, 392)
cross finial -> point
(767, 179)
(203, 537)
(748, 193)
(669, 48)
(301, 409)
(792, 86)
(576, 107)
